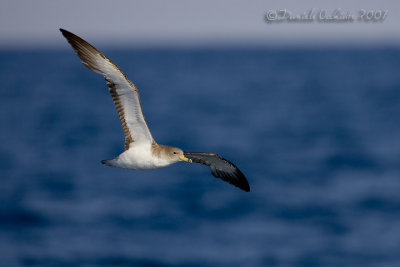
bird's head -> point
(176, 154)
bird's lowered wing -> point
(220, 168)
(123, 91)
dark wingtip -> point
(68, 35)
(246, 188)
(244, 185)
(104, 161)
(241, 180)
(64, 32)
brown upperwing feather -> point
(121, 114)
(84, 50)
(87, 52)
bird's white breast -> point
(140, 157)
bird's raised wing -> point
(220, 168)
(123, 91)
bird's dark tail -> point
(109, 162)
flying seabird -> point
(141, 150)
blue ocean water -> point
(315, 131)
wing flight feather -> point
(123, 92)
(220, 168)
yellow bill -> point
(183, 158)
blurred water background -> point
(316, 131)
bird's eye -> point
(175, 152)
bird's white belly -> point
(140, 158)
